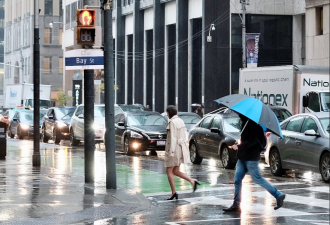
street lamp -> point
(209, 38)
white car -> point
(77, 124)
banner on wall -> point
(252, 50)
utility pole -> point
(109, 82)
(244, 3)
(89, 137)
(36, 88)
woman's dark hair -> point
(172, 111)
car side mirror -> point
(215, 130)
(81, 116)
(121, 124)
(51, 117)
(311, 133)
(305, 101)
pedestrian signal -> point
(85, 26)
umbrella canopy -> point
(254, 110)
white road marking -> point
(310, 201)
(224, 219)
(316, 222)
(323, 189)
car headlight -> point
(61, 124)
(136, 135)
(25, 126)
(97, 126)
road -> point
(307, 200)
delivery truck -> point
(21, 95)
(297, 88)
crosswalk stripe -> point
(323, 189)
(311, 201)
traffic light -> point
(85, 26)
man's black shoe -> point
(279, 202)
(233, 208)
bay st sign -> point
(80, 59)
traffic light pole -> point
(36, 88)
(109, 82)
(89, 122)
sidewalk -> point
(56, 193)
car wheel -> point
(275, 163)
(195, 158)
(43, 138)
(127, 149)
(325, 167)
(73, 140)
(19, 133)
(226, 159)
(56, 137)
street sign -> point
(80, 59)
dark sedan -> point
(56, 124)
(22, 124)
(213, 137)
(140, 131)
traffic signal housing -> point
(86, 26)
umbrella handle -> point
(244, 127)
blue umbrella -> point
(254, 110)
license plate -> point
(160, 143)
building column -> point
(119, 59)
(138, 30)
(158, 59)
(181, 70)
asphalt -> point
(55, 192)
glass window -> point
(73, 12)
(294, 124)
(47, 64)
(117, 117)
(26, 116)
(61, 7)
(206, 122)
(79, 111)
(325, 101)
(278, 116)
(325, 122)
(286, 114)
(216, 123)
(47, 36)
(190, 119)
(309, 124)
(232, 124)
(314, 102)
(99, 111)
(60, 65)
(49, 7)
(64, 113)
(146, 120)
(283, 126)
(67, 16)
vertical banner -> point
(252, 50)
(77, 92)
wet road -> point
(307, 199)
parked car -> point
(22, 124)
(213, 137)
(7, 117)
(190, 119)
(305, 145)
(77, 125)
(56, 124)
(130, 108)
(140, 131)
(280, 112)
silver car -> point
(305, 145)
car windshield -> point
(146, 120)
(99, 111)
(117, 110)
(64, 113)
(131, 108)
(190, 119)
(325, 101)
(26, 116)
(232, 124)
(325, 124)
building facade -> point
(18, 44)
(317, 33)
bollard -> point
(3, 140)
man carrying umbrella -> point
(252, 113)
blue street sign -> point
(84, 61)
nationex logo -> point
(13, 94)
(314, 83)
(275, 99)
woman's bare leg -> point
(176, 172)
(170, 177)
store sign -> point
(77, 92)
(252, 49)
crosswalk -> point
(304, 204)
